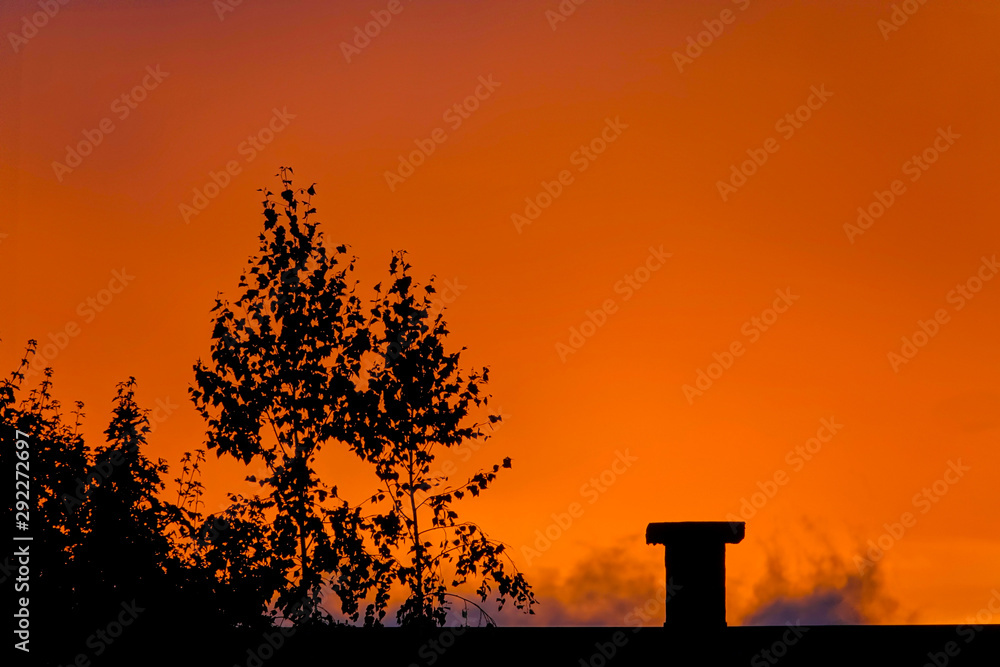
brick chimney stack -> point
(696, 567)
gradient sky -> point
(520, 289)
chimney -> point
(696, 566)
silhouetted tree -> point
(103, 535)
(226, 555)
(286, 378)
(418, 400)
(125, 548)
(55, 462)
(279, 387)
(95, 518)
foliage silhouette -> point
(225, 554)
(57, 460)
(418, 400)
(279, 387)
(125, 546)
(102, 534)
(297, 363)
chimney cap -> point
(677, 532)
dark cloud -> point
(607, 587)
(815, 583)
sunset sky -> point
(617, 209)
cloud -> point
(808, 577)
(609, 587)
(837, 598)
(814, 582)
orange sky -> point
(669, 138)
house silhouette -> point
(694, 633)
